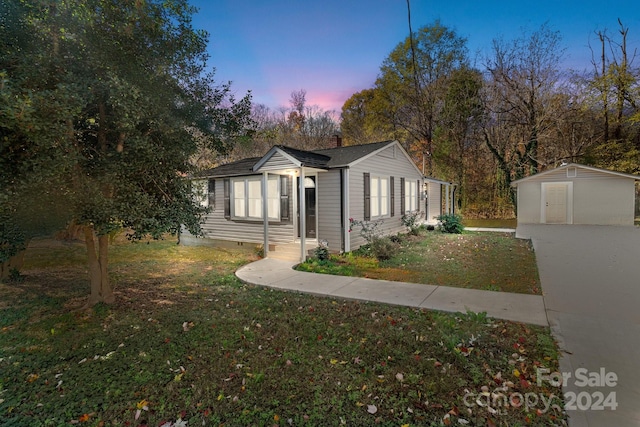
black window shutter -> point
(402, 196)
(392, 196)
(227, 198)
(367, 196)
(284, 198)
(212, 193)
(418, 195)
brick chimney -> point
(338, 140)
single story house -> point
(309, 197)
(577, 194)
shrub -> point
(450, 223)
(377, 245)
(411, 220)
(321, 253)
(383, 248)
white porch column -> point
(265, 212)
(303, 222)
(447, 206)
(347, 212)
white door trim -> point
(543, 200)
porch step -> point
(289, 251)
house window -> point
(379, 197)
(246, 198)
(410, 196)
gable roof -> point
(575, 165)
(295, 156)
(322, 159)
(345, 156)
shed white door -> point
(555, 203)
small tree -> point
(111, 98)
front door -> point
(555, 203)
(309, 205)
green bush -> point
(321, 253)
(383, 248)
(450, 223)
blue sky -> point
(334, 48)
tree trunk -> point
(15, 262)
(101, 290)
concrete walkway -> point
(590, 278)
(280, 275)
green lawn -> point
(187, 341)
(491, 223)
(478, 260)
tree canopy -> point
(517, 113)
(104, 103)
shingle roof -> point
(326, 159)
(343, 156)
(307, 158)
(240, 167)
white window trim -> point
(410, 196)
(273, 216)
(377, 180)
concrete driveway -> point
(590, 279)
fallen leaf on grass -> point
(372, 409)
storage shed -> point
(577, 194)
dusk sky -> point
(334, 48)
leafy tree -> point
(300, 126)
(413, 83)
(524, 76)
(615, 85)
(105, 102)
(363, 119)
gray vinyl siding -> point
(598, 197)
(328, 207)
(434, 202)
(387, 163)
(215, 226)
(277, 162)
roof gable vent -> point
(572, 172)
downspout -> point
(342, 213)
(265, 212)
(453, 198)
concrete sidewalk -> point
(280, 275)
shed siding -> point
(386, 163)
(598, 198)
(329, 215)
(606, 202)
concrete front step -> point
(289, 252)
